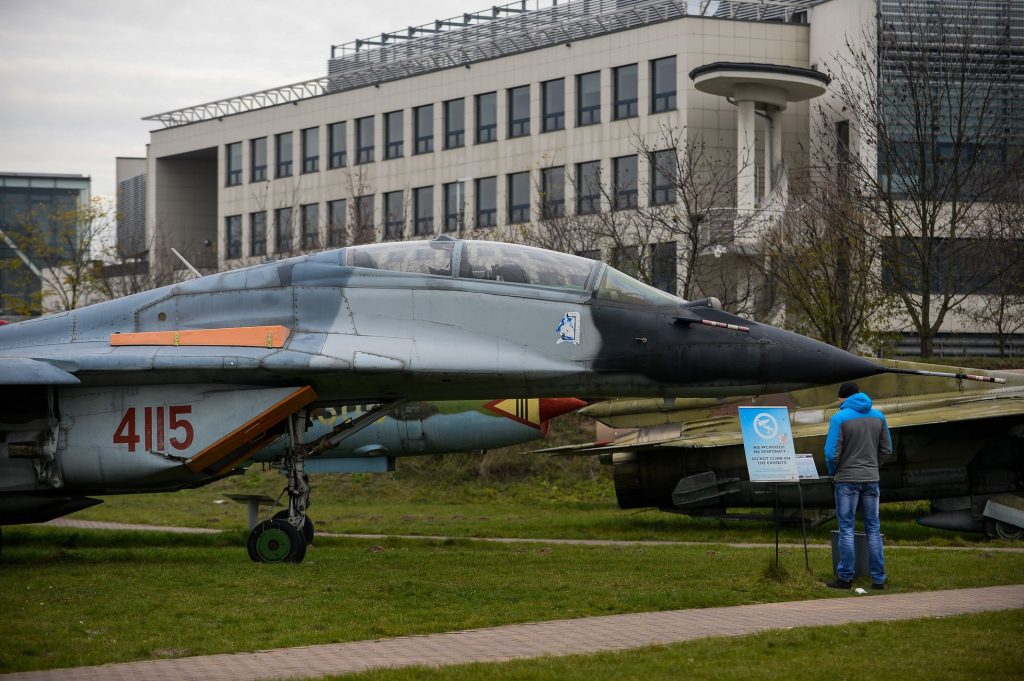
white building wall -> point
(694, 41)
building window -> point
(554, 104)
(258, 154)
(663, 84)
(626, 259)
(552, 204)
(486, 117)
(336, 140)
(519, 197)
(310, 227)
(590, 254)
(310, 150)
(394, 216)
(258, 233)
(233, 236)
(487, 202)
(454, 206)
(625, 91)
(394, 135)
(519, 111)
(283, 242)
(283, 154)
(454, 123)
(233, 155)
(423, 117)
(624, 194)
(362, 220)
(588, 188)
(336, 223)
(663, 177)
(588, 98)
(364, 140)
(663, 266)
(423, 207)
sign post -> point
(768, 445)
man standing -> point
(858, 444)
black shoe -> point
(838, 584)
(878, 587)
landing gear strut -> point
(284, 538)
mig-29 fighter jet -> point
(179, 386)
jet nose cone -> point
(551, 407)
(806, 360)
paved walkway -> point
(97, 525)
(562, 637)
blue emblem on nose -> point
(568, 329)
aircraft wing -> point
(721, 431)
(27, 371)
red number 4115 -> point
(155, 424)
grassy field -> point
(972, 647)
(85, 597)
(72, 597)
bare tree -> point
(927, 98)
(61, 244)
(1001, 308)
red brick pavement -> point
(562, 637)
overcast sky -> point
(77, 76)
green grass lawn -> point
(966, 647)
(84, 597)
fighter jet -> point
(178, 386)
(957, 443)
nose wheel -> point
(276, 541)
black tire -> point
(276, 541)
(307, 526)
(1009, 532)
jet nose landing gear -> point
(284, 538)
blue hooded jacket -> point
(858, 441)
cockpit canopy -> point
(495, 261)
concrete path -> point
(97, 525)
(562, 637)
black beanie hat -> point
(847, 389)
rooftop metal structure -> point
(472, 37)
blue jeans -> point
(848, 496)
